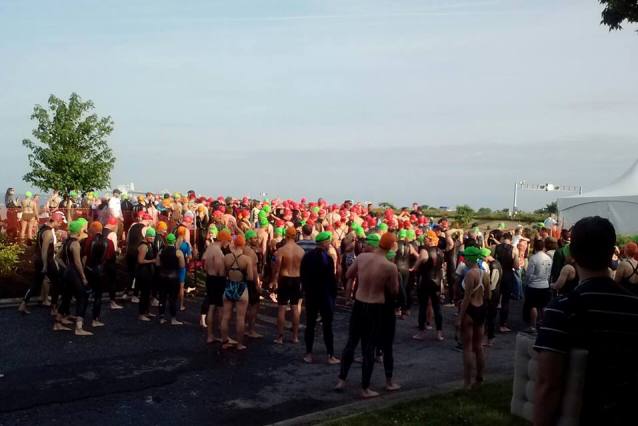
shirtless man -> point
(254, 286)
(376, 277)
(215, 280)
(264, 233)
(287, 274)
(239, 270)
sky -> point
(441, 102)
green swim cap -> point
(73, 194)
(411, 235)
(302, 223)
(324, 236)
(28, 194)
(170, 238)
(75, 227)
(373, 240)
(391, 255)
(472, 254)
(266, 209)
(403, 234)
(383, 227)
(360, 232)
(213, 230)
(250, 234)
(150, 232)
(263, 220)
(177, 195)
(315, 210)
(501, 225)
(83, 221)
(485, 252)
(280, 231)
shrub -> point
(10, 255)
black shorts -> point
(288, 290)
(537, 297)
(215, 287)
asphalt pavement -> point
(137, 373)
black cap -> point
(117, 191)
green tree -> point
(464, 214)
(71, 151)
(484, 211)
(618, 11)
(386, 205)
(551, 208)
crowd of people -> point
(381, 261)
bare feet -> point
(332, 360)
(23, 309)
(82, 332)
(369, 393)
(307, 358)
(115, 306)
(504, 329)
(143, 318)
(97, 323)
(232, 341)
(163, 321)
(59, 327)
(439, 336)
(228, 344)
(182, 308)
(241, 347)
(135, 299)
(392, 386)
(340, 386)
(175, 322)
(419, 336)
(65, 321)
(254, 335)
(279, 340)
(295, 340)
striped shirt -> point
(307, 245)
(602, 318)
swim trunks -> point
(234, 290)
(215, 287)
(288, 290)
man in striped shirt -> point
(600, 317)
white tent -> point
(617, 201)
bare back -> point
(376, 278)
(291, 255)
(238, 266)
(214, 261)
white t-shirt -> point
(115, 207)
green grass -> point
(487, 406)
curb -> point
(346, 411)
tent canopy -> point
(617, 201)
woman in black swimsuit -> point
(472, 317)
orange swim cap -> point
(631, 250)
(95, 227)
(181, 231)
(240, 241)
(291, 232)
(162, 226)
(431, 235)
(224, 236)
(387, 241)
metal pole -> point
(513, 212)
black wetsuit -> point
(503, 253)
(133, 240)
(402, 260)
(144, 278)
(320, 291)
(429, 287)
(96, 260)
(168, 275)
(73, 285)
(53, 272)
